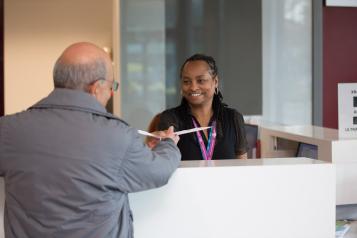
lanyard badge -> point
(207, 153)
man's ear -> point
(93, 88)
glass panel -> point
(263, 51)
(287, 61)
(143, 60)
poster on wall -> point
(341, 3)
(347, 110)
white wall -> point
(36, 32)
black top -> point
(230, 140)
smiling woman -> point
(202, 106)
(198, 83)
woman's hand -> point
(242, 156)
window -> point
(263, 51)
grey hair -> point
(78, 76)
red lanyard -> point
(207, 153)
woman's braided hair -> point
(217, 103)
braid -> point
(208, 59)
(218, 105)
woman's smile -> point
(195, 94)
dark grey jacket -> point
(68, 167)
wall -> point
(339, 57)
(36, 32)
(1, 58)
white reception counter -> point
(270, 198)
(282, 141)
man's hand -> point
(169, 133)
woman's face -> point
(197, 84)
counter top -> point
(315, 132)
(248, 162)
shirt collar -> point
(69, 98)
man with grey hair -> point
(68, 165)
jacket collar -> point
(71, 100)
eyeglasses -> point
(115, 84)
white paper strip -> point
(145, 133)
(177, 132)
(191, 130)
